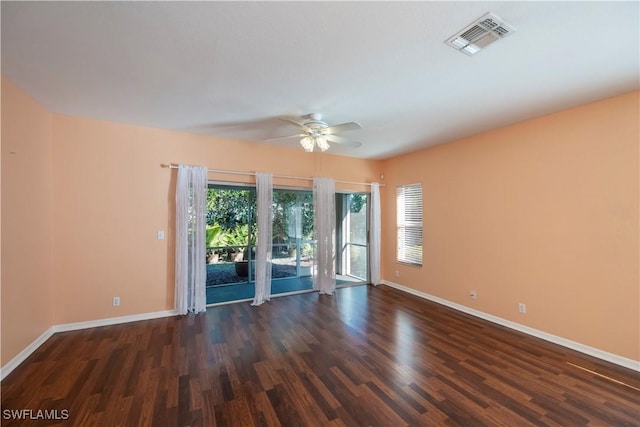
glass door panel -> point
(355, 235)
(231, 235)
(292, 233)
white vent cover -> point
(484, 31)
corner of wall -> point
(26, 221)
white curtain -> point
(324, 223)
(191, 273)
(374, 234)
(264, 186)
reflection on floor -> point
(245, 291)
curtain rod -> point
(172, 166)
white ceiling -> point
(231, 68)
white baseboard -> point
(113, 321)
(582, 348)
(21, 357)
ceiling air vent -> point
(484, 31)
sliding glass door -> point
(232, 235)
(353, 235)
(356, 222)
(293, 244)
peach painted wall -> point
(27, 232)
(112, 196)
(544, 212)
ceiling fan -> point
(316, 133)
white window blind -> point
(409, 213)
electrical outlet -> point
(397, 273)
(473, 295)
(522, 308)
(116, 301)
(160, 234)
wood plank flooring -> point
(364, 357)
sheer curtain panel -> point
(324, 222)
(191, 269)
(264, 188)
(374, 237)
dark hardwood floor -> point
(365, 357)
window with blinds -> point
(409, 214)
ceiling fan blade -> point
(344, 127)
(277, 138)
(294, 122)
(342, 141)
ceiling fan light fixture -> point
(307, 143)
(322, 143)
(316, 133)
